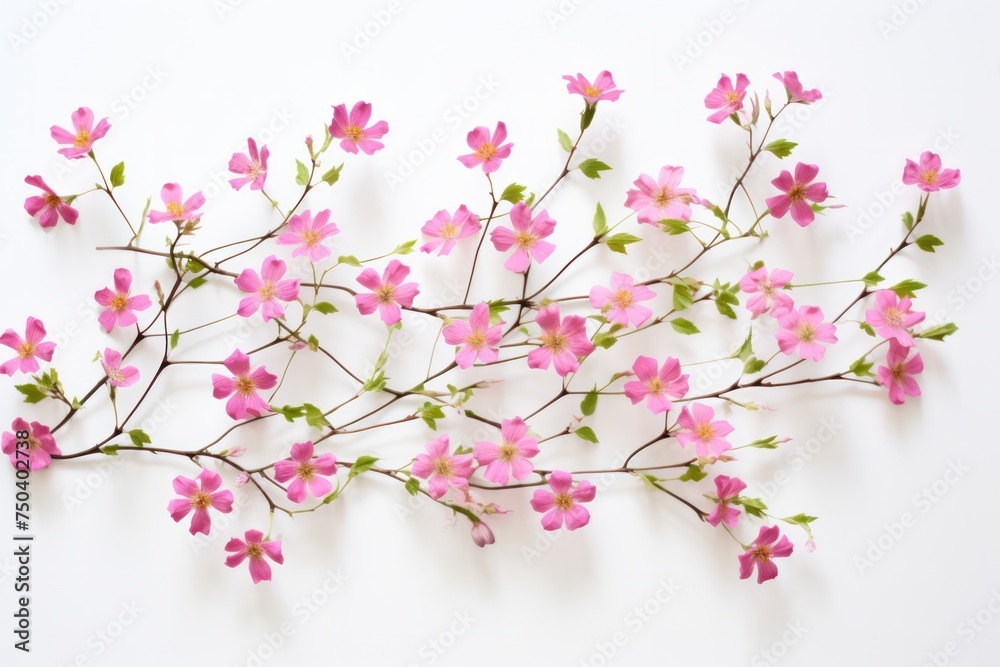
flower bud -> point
(481, 534)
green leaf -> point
(867, 328)
(587, 116)
(361, 465)
(314, 416)
(617, 242)
(197, 282)
(349, 260)
(592, 167)
(746, 349)
(908, 220)
(175, 338)
(937, 333)
(800, 519)
(674, 227)
(683, 326)
(604, 340)
(586, 433)
(589, 403)
(405, 248)
(872, 278)
(693, 473)
(76, 404)
(753, 365)
(907, 287)
(565, 141)
(430, 413)
(497, 307)
(769, 442)
(753, 506)
(513, 193)
(118, 175)
(375, 383)
(290, 412)
(110, 450)
(600, 221)
(32, 393)
(725, 309)
(332, 175)
(138, 437)
(194, 266)
(412, 486)
(862, 367)
(325, 307)
(301, 173)
(927, 242)
(781, 148)
(682, 297)
(312, 342)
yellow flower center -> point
(255, 170)
(449, 231)
(766, 288)
(563, 501)
(655, 385)
(82, 139)
(486, 152)
(354, 133)
(51, 201)
(476, 340)
(442, 467)
(116, 376)
(555, 342)
(119, 302)
(267, 291)
(732, 97)
(592, 91)
(898, 372)
(525, 240)
(310, 237)
(508, 452)
(705, 432)
(175, 209)
(305, 471)
(255, 552)
(929, 177)
(384, 294)
(26, 350)
(245, 385)
(893, 317)
(805, 332)
(623, 298)
(201, 500)
(762, 553)
(797, 192)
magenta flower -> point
(308, 233)
(252, 167)
(29, 349)
(620, 303)
(478, 339)
(661, 199)
(171, 194)
(892, 316)
(199, 494)
(489, 152)
(82, 139)
(527, 236)
(928, 175)
(444, 229)
(725, 98)
(563, 502)
(266, 290)
(120, 307)
(603, 87)
(511, 455)
(50, 205)
(41, 445)
(790, 80)
(388, 292)
(255, 548)
(441, 469)
(563, 341)
(118, 376)
(897, 373)
(798, 192)
(804, 330)
(659, 384)
(761, 553)
(352, 130)
(481, 534)
(727, 489)
(309, 474)
(242, 388)
(767, 290)
(707, 436)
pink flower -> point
(253, 167)
(309, 473)
(790, 80)
(563, 502)
(511, 455)
(41, 445)
(725, 98)
(82, 140)
(29, 349)
(118, 376)
(119, 306)
(171, 194)
(659, 384)
(804, 330)
(727, 488)
(562, 342)
(620, 303)
(51, 205)
(352, 131)
(481, 534)
(928, 175)
(444, 229)
(897, 374)
(242, 388)
(199, 494)
(388, 292)
(255, 548)
(308, 233)
(488, 152)
(603, 87)
(527, 236)
(798, 192)
(707, 436)
(767, 290)
(441, 469)
(266, 289)
(892, 316)
(478, 339)
(761, 553)
(661, 199)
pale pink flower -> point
(928, 175)
(481, 534)
(511, 455)
(84, 134)
(525, 238)
(119, 305)
(769, 297)
(892, 316)
(242, 388)
(620, 303)
(171, 194)
(441, 468)
(803, 330)
(727, 488)
(242, 478)
(790, 80)
(707, 436)
(308, 233)
(478, 339)
(444, 229)
(662, 199)
(309, 473)
(352, 130)
(762, 553)
(29, 349)
(725, 98)
(50, 205)
(252, 168)
(487, 151)
(236, 452)
(118, 376)
(897, 373)
(266, 290)
(41, 445)
(562, 503)
(603, 87)
(199, 494)
(659, 384)
(389, 292)
(798, 192)
(255, 548)
(563, 341)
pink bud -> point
(481, 534)
(298, 345)
(237, 451)
(810, 546)
(242, 479)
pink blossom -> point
(82, 139)
(662, 199)
(236, 452)
(725, 98)
(120, 307)
(308, 233)
(798, 192)
(253, 167)
(659, 384)
(352, 130)
(478, 339)
(255, 548)
(199, 494)
(790, 80)
(29, 349)
(442, 469)
(50, 205)
(481, 534)
(242, 478)
(171, 194)
(563, 341)
(527, 236)
(897, 373)
(444, 230)
(804, 330)
(767, 290)
(603, 87)
(242, 388)
(389, 292)
(511, 455)
(266, 290)
(487, 151)
(928, 175)
(563, 502)
(761, 553)
(707, 436)
(620, 303)
(727, 488)
(892, 316)
(309, 474)
(118, 376)
(41, 445)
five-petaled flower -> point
(563, 341)
(29, 349)
(242, 388)
(251, 168)
(727, 489)
(352, 131)
(897, 373)
(790, 80)
(928, 174)
(707, 436)
(798, 192)
(41, 445)
(563, 502)
(662, 199)
(487, 151)
(308, 474)
(477, 338)
(620, 303)
(255, 548)
(603, 87)
(388, 293)
(657, 383)
(762, 553)
(511, 455)
(768, 295)
(85, 133)
(308, 233)
(50, 205)
(119, 306)
(444, 229)
(804, 330)
(266, 289)
(525, 238)
(178, 211)
(892, 316)
(200, 494)
(441, 468)
(111, 362)
(727, 99)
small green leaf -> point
(694, 473)
(175, 338)
(110, 450)
(375, 383)
(746, 349)
(325, 307)
(862, 367)
(430, 413)
(118, 175)
(683, 326)
(197, 282)
(781, 148)
(908, 220)
(138, 437)
(753, 365)
(753, 506)
(349, 260)
(405, 248)
(600, 221)
(937, 333)
(32, 393)
(604, 340)
(674, 227)
(587, 116)
(682, 297)
(872, 278)
(928, 242)
(867, 328)
(617, 242)
(513, 193)
(769, 442)
(908, 288)
(565, 141)
(413, 486)
(592, 168)
(361, 465)
(314, 416)
(589, 403)
(800, 519)
(290, 412)
(301, 173)
(586, 433)
(497, 307)
(331, 176)
(194, 266)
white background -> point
(184, 83)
